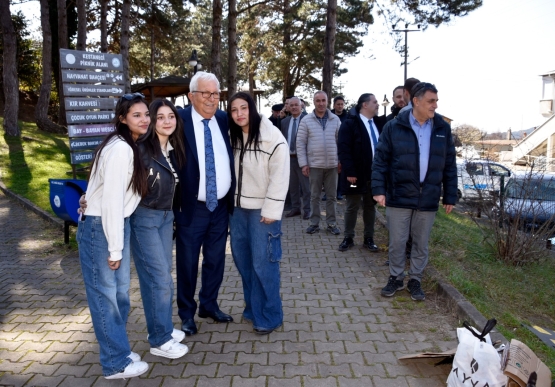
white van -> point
(480, 178)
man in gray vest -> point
(298, 183)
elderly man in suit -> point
(298, 183)
(207, 187)
(357, 142)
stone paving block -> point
(235, 347)
(182, 382)
(301, 370)
(214, 382)
(71, 381)
(272, 347)
(46, 381)
(334, 370)
(318, 358)
(277, 370)
(239, 381)
(234, 370)
(319, 382)
(252, 358)
(284, 382)
(9, 379)
(306, 347)
(390, 382)
(365, 381)
(426, 381)
(206, 370)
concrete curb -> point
(455, 301)
(27, 204)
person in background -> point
(398, 103)
(415, 160)
(407, 87)
(117, 182)
(275, 115)
(299, 185)
(162, 151)
(262, 165)
(357, 142)
(339, 108)
(317, 155)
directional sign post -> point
(92, 85)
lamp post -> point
(385, 104)
(194, 62)
(406, 31)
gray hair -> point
(320, 92)
(297, 98)
(202, 75)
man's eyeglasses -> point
(129, 97)
(208, 95)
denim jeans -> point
(256, 250)
(107, 293)
(151, 247)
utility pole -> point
(406, 31)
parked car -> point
(530, 197)
(480, 179)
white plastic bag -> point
(476, 362)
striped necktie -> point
(210, 166)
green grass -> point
(512, 295)
(27, 162)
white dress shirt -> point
(221, 158)
(367, 125)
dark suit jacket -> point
(355, 153)
(189, 175)
(285, 124)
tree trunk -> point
(82, 25)
(329, 48)
(10, 79)
(216, 64)
(63, 42)
(124, 42)
(152, 53)
(287, 22)
(41, 110)
(232, 41)
(104, 25)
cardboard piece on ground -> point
(449, 352)
(521, 362)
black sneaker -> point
(312, 229)
(346, 244)
(370, 245)
(333, 229)
(392, 286)
(415, 290)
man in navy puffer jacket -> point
(414, 159)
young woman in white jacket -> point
(117, 182)
(262, 171)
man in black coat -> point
(414, 160)
(357, 141)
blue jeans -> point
(256, 250)
(107, 293)
(151, 247)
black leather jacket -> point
(161, 181)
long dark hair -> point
(151, 141)
(139, 179)
(235, 131)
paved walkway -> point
(338, 330)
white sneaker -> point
(132, 370)
(177, 335)
(134, 356)
(172, 350)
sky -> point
(486, 66)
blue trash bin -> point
(64, 197)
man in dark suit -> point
(357, 141)
(297, 181)
(207, 185)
